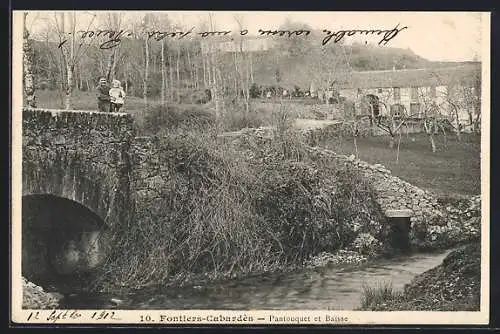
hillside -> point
(301, 69)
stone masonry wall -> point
(82, 156)
(147, 177)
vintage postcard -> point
(250, 168)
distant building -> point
(242, 44)
(414, 91)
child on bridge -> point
(117, 95)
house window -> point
(415, 109)
(397, 94)
(397, 110)
(414, 93)
(379, 90)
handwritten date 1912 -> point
(104, 315)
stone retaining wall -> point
(435, 222)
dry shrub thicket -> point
(224, 210)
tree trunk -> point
(209, 73)
(215, 90)
(29, 78)
(111, 66)
(178, 74)
(70, 64)
(399, 145)
(391, 141)
(62, 79)
(146, 73)
(163, 76)
(433, 143)
(246, 86)
(63, 60)
(251, 68)
(457, 121)
(237, 76)
(171, 74)
(459, 132)
(162, 67)
(80, 77)
(444, 137)
(204, 71)
(69, 86)
(196, 82)
(190, 66)
(126, 78)
(356, 147)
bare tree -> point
(29, 78)
(163, 24)
(243, 74)
(472, 104)
(177, 71)
(163, 74)
(213, 62)
(145, 78)
(459, 96)
(71, 51)
(113, 22)
(392, 122)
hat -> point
(102, 80)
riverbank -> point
(454, 285)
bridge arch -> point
(61, 238)
(76, 175)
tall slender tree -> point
(29, 77)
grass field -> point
(84, 101)
(452, 170)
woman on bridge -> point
(103, 98)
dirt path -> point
(303, 123)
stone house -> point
(415, 92)
(236, 44)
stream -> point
(333, 288)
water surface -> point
(331, 288)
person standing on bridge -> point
(117, 95)
(103, 98)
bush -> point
(236, 119)
(255, 91)
(159, 118)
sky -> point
(437, 36)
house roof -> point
(468, 74)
